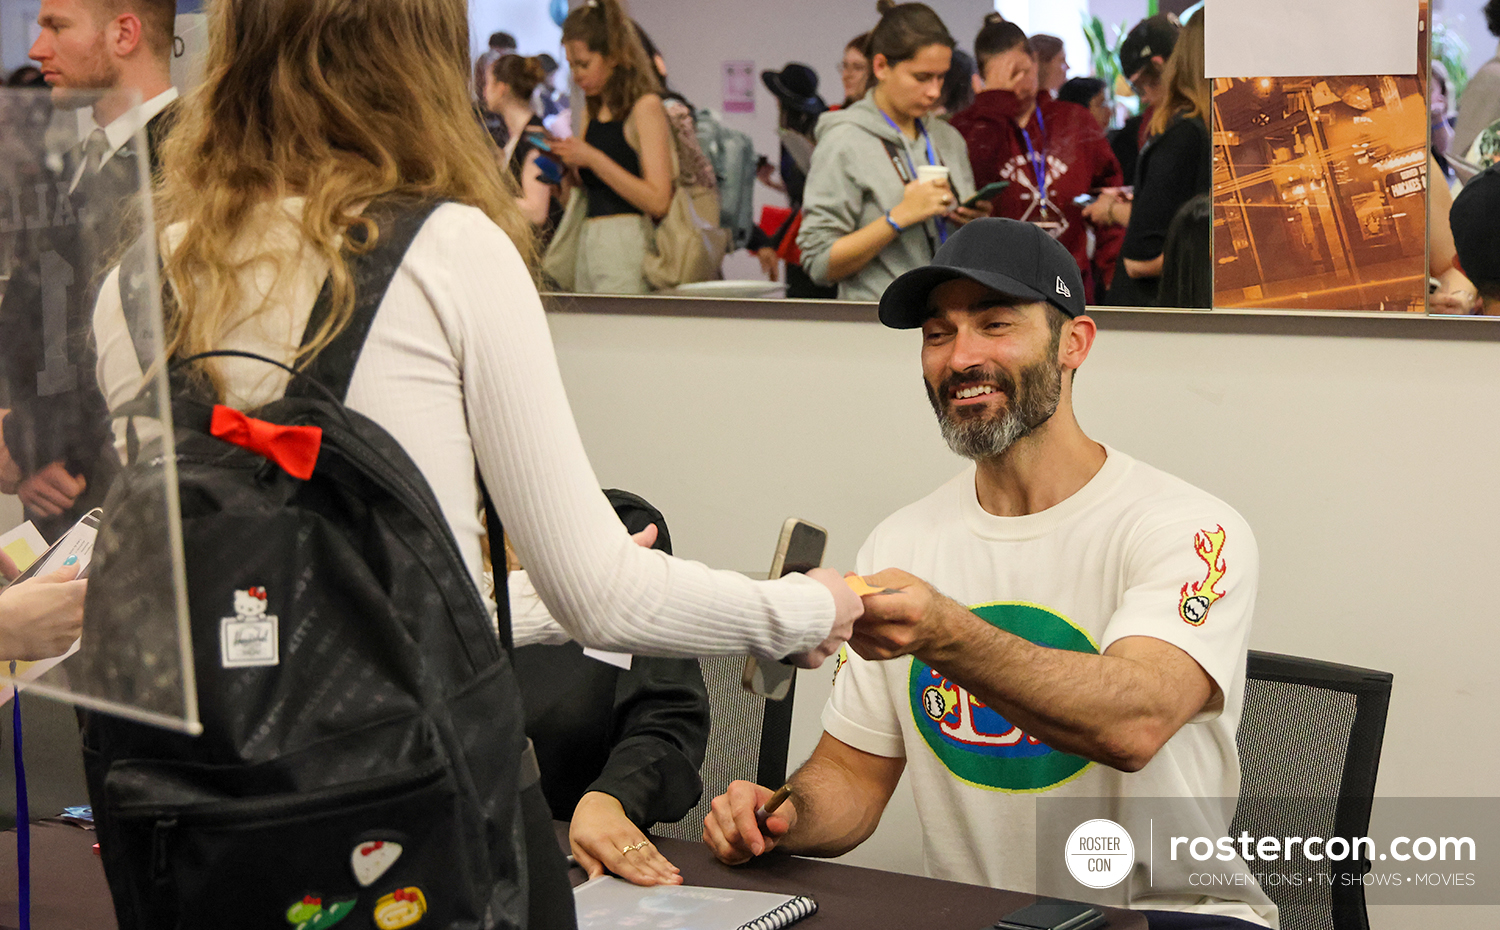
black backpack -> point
(362, 755)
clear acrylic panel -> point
(92, 467)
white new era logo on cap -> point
(1063, 288)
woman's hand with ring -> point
(922, 201)
(602, 837)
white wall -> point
(527, 20)
(10, 512)
(1466, 17)
(18, 30)
(1365, 463)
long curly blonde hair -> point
(339, 102)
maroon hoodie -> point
(1079, 160)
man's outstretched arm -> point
(837, 798)
(1118, 709)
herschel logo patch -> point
(249, 638)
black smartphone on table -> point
(1053, 915)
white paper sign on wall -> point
(1293, 38)
(739, 87)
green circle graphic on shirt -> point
(972, 740)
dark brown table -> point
(852, 897)
(68, 891)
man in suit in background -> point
(110, 60)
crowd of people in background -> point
(1041, 146)
(1465, 133)
(931, 132)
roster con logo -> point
(1100, 853)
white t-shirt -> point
(1135, 552)
(459, 367)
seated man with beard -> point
(1089, 640)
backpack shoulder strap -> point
(372, 272)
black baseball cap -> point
(1475, 219)
(1151, 37)
(1015, 258)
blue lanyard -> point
(1038, 159)
(23, 814)
(942, 226)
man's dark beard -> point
(976, 434)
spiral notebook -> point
(606, 902)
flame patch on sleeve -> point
(1198, 597)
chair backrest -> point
(1309, 743)
(747, 739)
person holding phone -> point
(512, 81)
(624, 157)
(1175, 165)
(1050, 151)
(40, 617)
(868, 212)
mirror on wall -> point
(1316, 199)
(1322, 193)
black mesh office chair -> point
(747, 740)
(1309, 742)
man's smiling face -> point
(990, 366)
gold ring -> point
(628, 849)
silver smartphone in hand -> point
(800, 549)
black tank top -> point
(609, 138)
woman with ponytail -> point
(867, 216)
(623, 154)
(512, 81)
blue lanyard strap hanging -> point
(23, 814)
(942, 226)
(1038, 159)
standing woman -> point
(272, 164)
(623, 154)
(854, 70)
(867, 216)
(1175, 164)
(512, 81)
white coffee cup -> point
(932, 173)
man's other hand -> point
(735, 829)
(51, 491)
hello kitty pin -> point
(372, 859)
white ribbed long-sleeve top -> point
(458, 367)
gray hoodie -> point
(854, 181)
